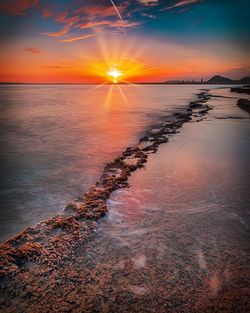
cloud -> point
(102, 11)
(149, 15)
(77, 38)
(108, 23)
(68, 21)
(17, 7)
(181, 4)
(46, 13)
(58, 33)
(149, 2)
(62, 18)
(33, 50)
(87, 25)
(97, 15)
(46, 9)
(123, 24)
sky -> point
(144, 40)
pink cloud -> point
(46, 9)
(17, 7)
(33, 50)
(123, 24)
(77, 38)
(115, 23)
(60, 18)
(149, 2)
(89, 17)
(93, 24)
(60, 33)
(46, 13)
(100, 11)
(69, 21)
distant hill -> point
(217, 79)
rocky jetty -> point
(49, 242)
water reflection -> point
(55, 140)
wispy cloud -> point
(110, 24)
(58, 33)
(181, 4)
(100, 11)
(87, 25)
(17, 7)
(68, 21)
(76, 16)
(149, 2)
(33, 50)
(124, 24)
(149, 15)
(77, 38)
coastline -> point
(50, 241)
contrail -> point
(116, 10)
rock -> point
(245, 90)
(195, 105)
(244, 104)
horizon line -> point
(135, 83)
(170, 81)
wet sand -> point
(187, 259)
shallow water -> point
(177, 240)
(56, 139)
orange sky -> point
(140, 59)
(41, 43)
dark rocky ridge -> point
(49, 242)
(244, 104)
(244, 89)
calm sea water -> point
(177, 240)
(55, 141)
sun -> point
(114, 73)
